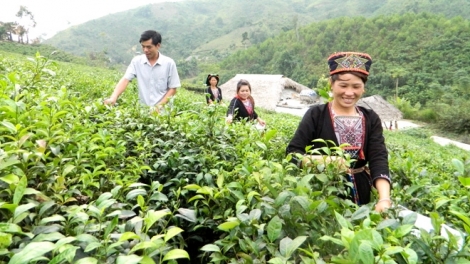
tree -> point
(23, 28)
(244, 38)
(3, 31)
(9, 28)
(396, 74)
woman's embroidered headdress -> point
(349, 61)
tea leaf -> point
(86, 238)
(187, 214)
(128, 235)
(362, 212)
(227, 226)
(393, 250)
(172, 232)
(366, 255)
(409, 219)
(158, 196)
(393, 223)
(31, 251)
(403, 230)
(23, 208)
(131, 259)
(255, 214)
(110, 227)
(140, 201)
(277, 260)
(261, 145)
(88, 260)
(134, 193)
(48, 237)
(274, 228)
(54, 218)
(103, 197)
(270, 134)
(458, 165)
(462, 217)
(284, 245)
(68, 168)
(465, 181)
(64, 241)
(147, 260)
(192, 187)
(20, 189)
(334, 240)
(220, 180)
(411, 255)
(294, 244)
(10, 126)
(7, 163)
(342, 221)
(5, 240)
(144, 245)
(176, 254)
(154, 216)
(211, 248)
(66, 256)
(92, 246)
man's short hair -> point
(151, 34)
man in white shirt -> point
(157, 76)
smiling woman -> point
(356, 129)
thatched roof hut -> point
(386, 111)
(266, 89)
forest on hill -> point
(420, 51)
(212, 30)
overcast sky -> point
(56, 15)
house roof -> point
(386, 111)
(266, 89)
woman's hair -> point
(241, 83)
(209, 77)
(335, 77)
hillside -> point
(426, 53)
(52, 52)
(212, 29)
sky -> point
(53, 16)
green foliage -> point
(81, 182)
(212, 30)
(54, 53)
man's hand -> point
(157, 109)
(110, 101)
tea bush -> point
(81, 182)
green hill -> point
(211, 30)
(51, 52)
(427, 53)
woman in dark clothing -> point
(213, 92)
(342, 122)
(242, 105)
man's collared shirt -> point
(153, 81)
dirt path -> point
(402, 124)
